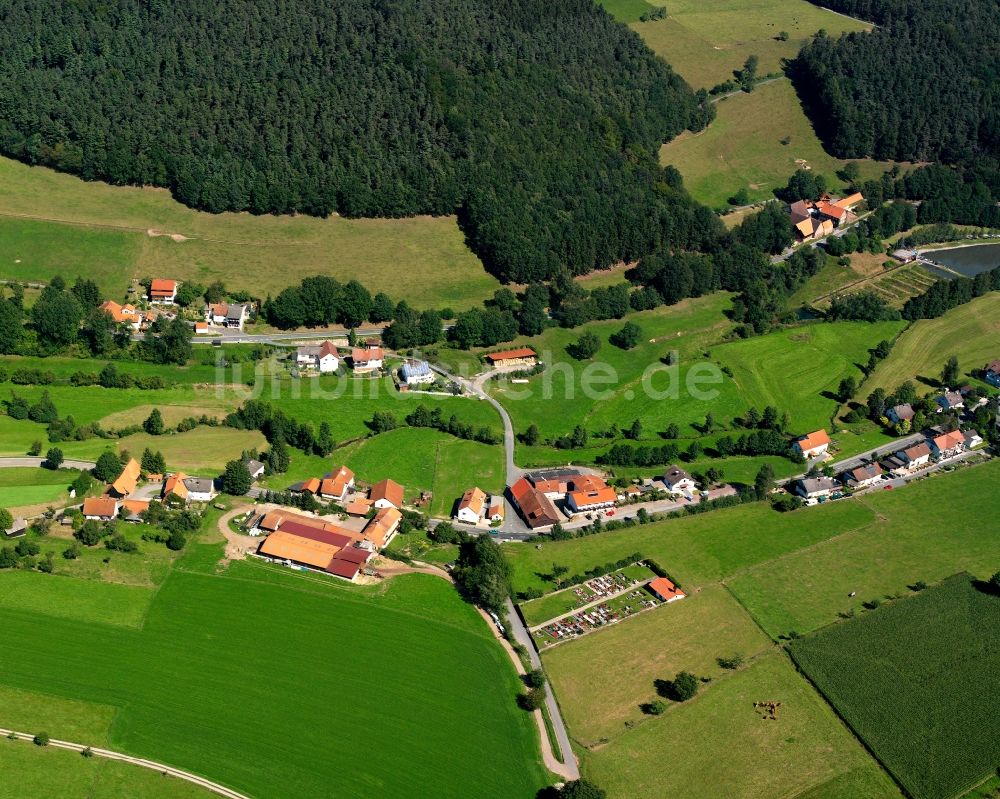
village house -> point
(256, 468)
(991, 373)
(904, 256)
(383, 527)
(189, 489)
(495, 512)
(122, 314)
(947, 445)
(594, 495)
(415, 373)
(19, 527)
(972, 438)
(322, 357)
(665, 590)
(914, 457)
(336, 485)
(100, 509)
(554, 483)
(524, 356)
(367, 358)
(126, 482)
(132, 510)
(471, 506)
(816, 487)
(949, 401)
(201, 328)
(678, 482)
(236, 316)
(536, 508)
(359, 507)
(862, 476)
(816, 220)
(813, 445)
(386, 494)
(310, 486)
(900, 413)
(215, 313)
(162, 291)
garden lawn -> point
(918, 682)
(718, 744)
(926, 531)
(45, 771)
(103, 232)
(742, 148)
(602, 678)
(24, 486)
(706, 42)
(229, 672)
(696, 549)
(971, 332)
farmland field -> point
(742, 148)
(718, 744)
(971, 332)
(926, 704)
(704, 43)
(602, 678)
(236, 649)
(52, 224)
(915, 535)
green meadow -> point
(23, 486)
(52, 223)
(225, 671)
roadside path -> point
(12, 463)
(165, 770)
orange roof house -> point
(948, 443)
(470, 507)
(383, 526)
(175, 485)
(336, 483)
(665, 589)
(850, 200)
(100, 507)
(537, 509)
(524, 355)
(813, 444)
(288, 546)
(162, 290)
(581, 501)
(126, 482)
(121, 314)
(386, 493)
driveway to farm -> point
(167, 771)
(237, 546)
(12, 463)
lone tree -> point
(482, 574)
(53, 458)
(108, 466)
(236, 479)
(764, 482)
(154, 423)
(627, 337)
(580, 789)
(683, 687)
(6, 520)
(950, 374)
(585, 347)
(531, 436)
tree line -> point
(539, 125)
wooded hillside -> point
(923, 85)
(537, 122)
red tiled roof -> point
(506, 355)
(602, 496)
(813, 440)
(537, 508)
(388, 490)
(160, 285)
(337, 539)
(664, 588)
(343, 568)
(126, 482)
(950, 440)
(99, 506)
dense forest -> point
(923, 85)
(537, 122)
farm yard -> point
(200, 622)
(742, 148)
(926, 706)
(53, 223)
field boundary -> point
(165, 770)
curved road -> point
(168, 771)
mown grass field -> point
(33, 771)
(926, 704)
(915, 534)
(58, 224)
(793, 370)
(706, 42)
(695, 550)
(602, 678)
(971, 332)
(24, 486)
(718, 744)
(265, 654)
(742, 148)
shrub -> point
(41, 739)
(731, 662)
(532, 700)
(654, 708)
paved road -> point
(523, 637)
(234, 336)
(169, 771)
(10, 463)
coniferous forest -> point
(538, 123)
(922, 86)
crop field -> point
(602, 678)
(742, 148)
(791, 370)
(719, 744)
(695, 550)
(926, 705)
(33, 771)
(971, 332)
(24, 486)
(58, 224)
(204, 633)
(895, 286)
(706, 42)
(915, 534)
